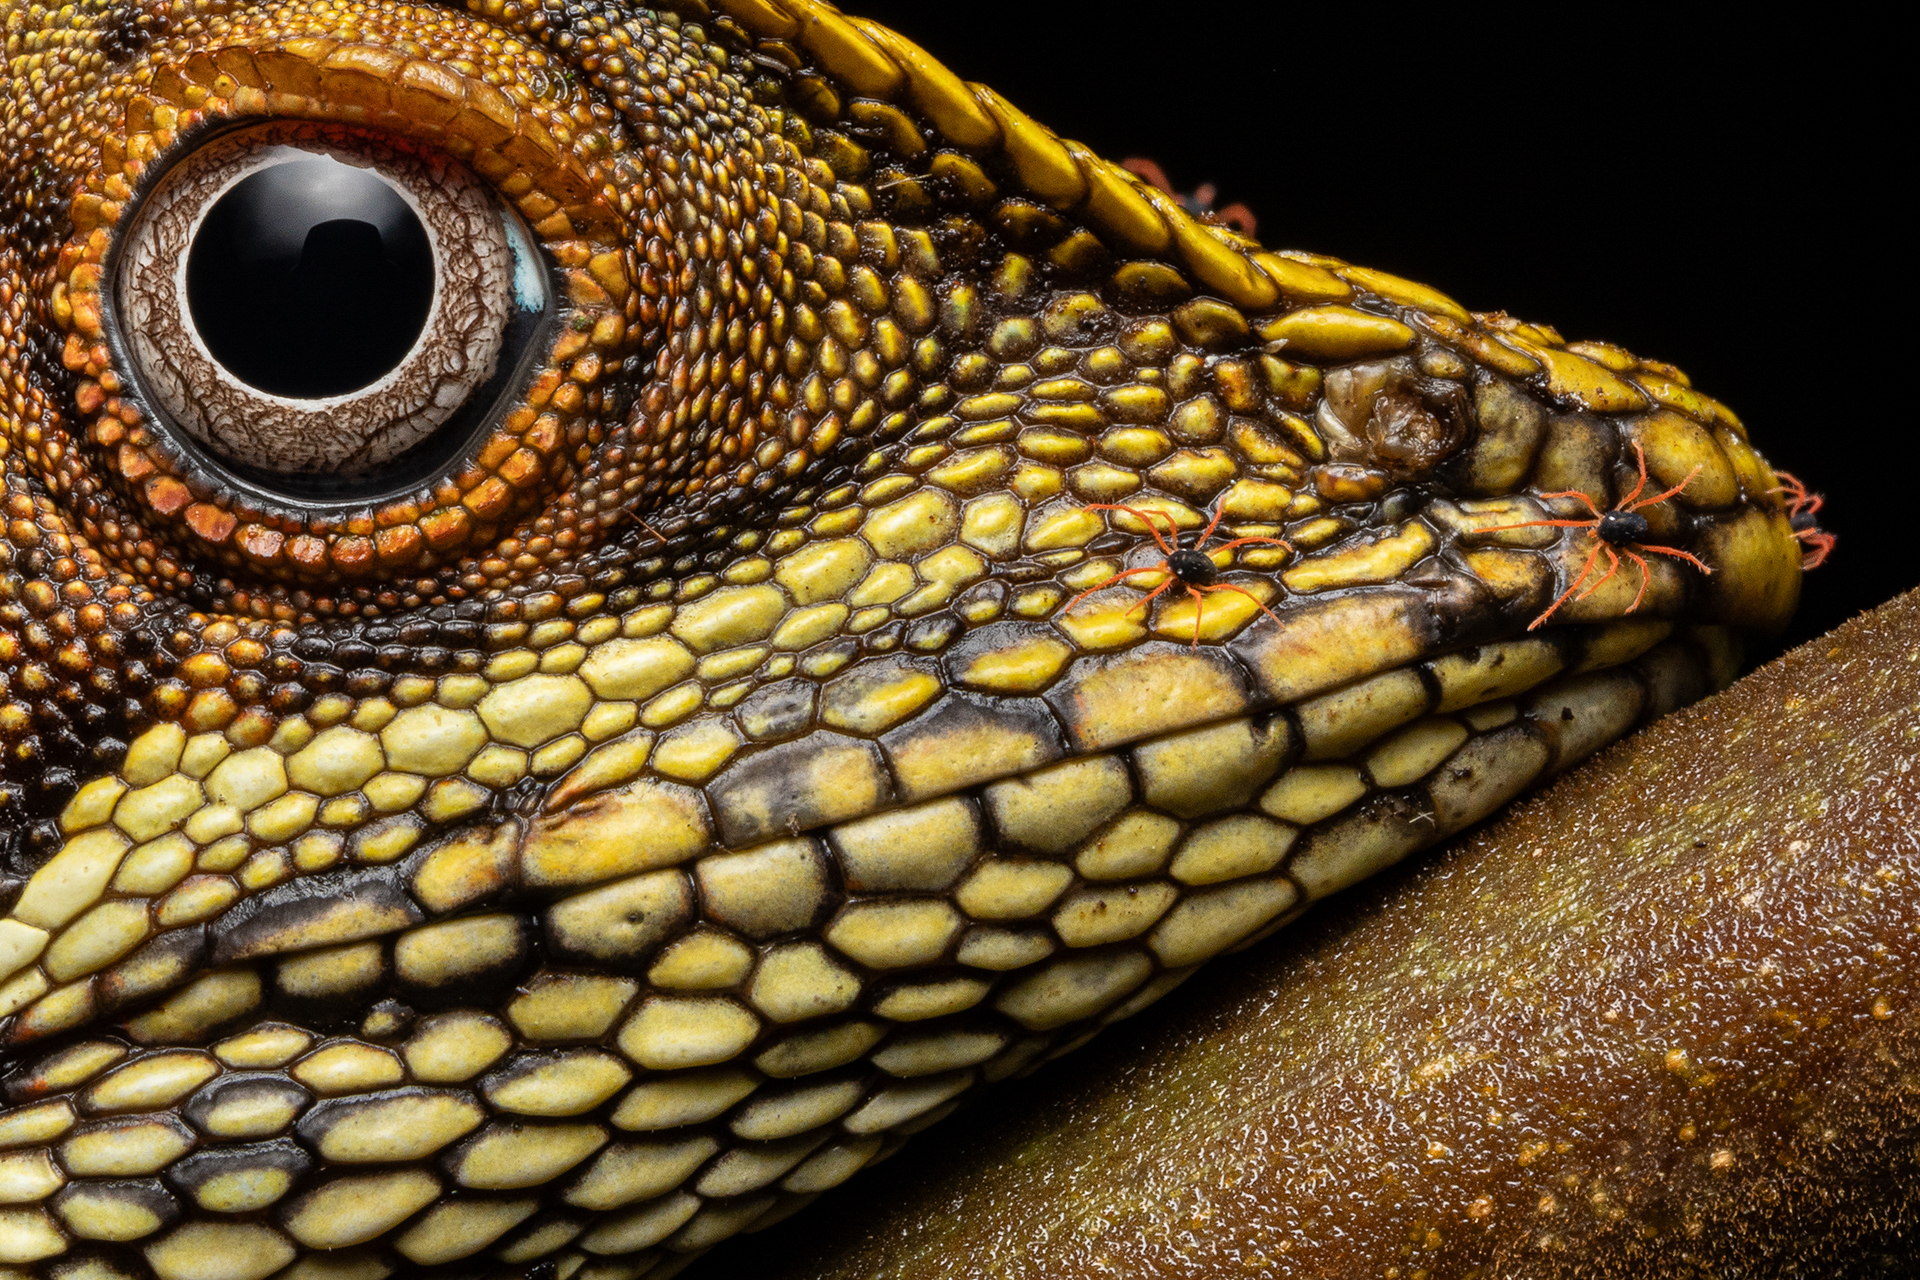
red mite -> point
(1803, 512)
(1189, 567)
(1200, 203)
(1622, 528)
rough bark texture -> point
(1660, 1021)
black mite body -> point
(1622, 527)
(1193, 567)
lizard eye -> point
(320, 363)
(323, 315)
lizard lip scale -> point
(718, 694)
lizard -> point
(690, 722)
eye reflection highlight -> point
(310, 277)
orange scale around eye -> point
(604, 310)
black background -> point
(1718, 192)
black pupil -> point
(1193, 566)
(310, 278)
(1619, 527)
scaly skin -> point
(701, 784)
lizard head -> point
(573, 663)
